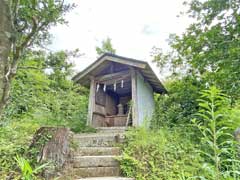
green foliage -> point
(14, 139)
(209, 49)
(205, 150)
(32, 20)
(106, 47)
(179, 105)
(167, 153)
(51, 99)
(217, 142)
(28, 173)
(39, 98)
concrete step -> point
(106, 178)
(97, 151)
(120, 129)
(96, 172)
(95, 161)
(98, 139)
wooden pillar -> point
(134, 97)
(91, 103)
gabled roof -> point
(144, 68)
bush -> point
(179, 105)
(162, 154)
(204, 150)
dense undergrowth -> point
(40, 98)
(204, 148)
(167, 153)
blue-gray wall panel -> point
(145, 100)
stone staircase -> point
(95, 157)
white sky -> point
(134, 26)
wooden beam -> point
(113, 75)
(91, 103)
(117, 80)
(88, 69)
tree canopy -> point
(27, 26)
(210, 48)
(106, 47)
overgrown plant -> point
(179, 105)
(217, 142)
(27, 172)
(165, 154)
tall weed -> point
(218, 146)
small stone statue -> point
(120, 109)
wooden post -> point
(134, 97)
(91, 103)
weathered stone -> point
(94, 151)
(95, 161)
(115, 130)
(97, 171)
(96, 154)
(97, 140)
(106, 178)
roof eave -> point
(84, 79)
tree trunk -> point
(5, 48)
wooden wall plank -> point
(134, 97)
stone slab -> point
(95, 161)
(106, 178)
(97, 151)
(111, 129)
(97, 140)
(96, 172)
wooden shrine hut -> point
(121, 91)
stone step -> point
(97, 151)
(120, 129)
(106, 178)
(98, 139)
(96, 172)
(95, 161)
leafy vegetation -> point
(167, 153)
(26, 26)
(218, 145)
(42, 95)
(209, 49)
(204, 149)
(27, 172)
(179, 106)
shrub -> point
(179, 105)
(162, 154)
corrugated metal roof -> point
(143, 67)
